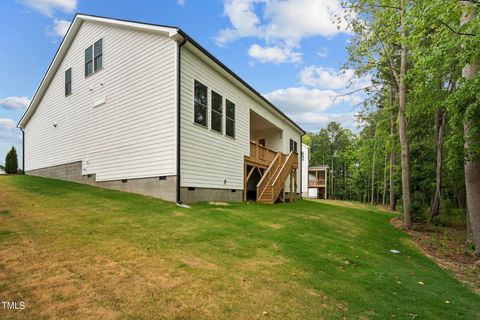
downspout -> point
(23, 151)
(178, 200)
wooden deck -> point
(312, 183)
(260, 156)
(274, 168)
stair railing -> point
(279, 181)
(267, 176)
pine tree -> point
(11, 162)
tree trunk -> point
(440, 119)
(331, 181)
(472, 163)
(393, 129)
(384, 195)
(402, 106)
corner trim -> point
(23, 150)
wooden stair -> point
(270, 187)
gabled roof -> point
(174, 33)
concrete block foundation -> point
(152, 186)
(189, 195)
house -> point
(144, 108)
(2, 172)
(317, 182)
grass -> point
(73, 251)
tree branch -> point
(456, 32)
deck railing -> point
(316, 182)
(260, 152)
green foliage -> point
(439, 47)
(11, 162)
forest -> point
(417, 148)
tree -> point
(11, 162)
(470, 72)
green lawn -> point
(78, 252)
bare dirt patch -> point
(178, 214)
(354, 205)
(197, 262)
(223, 204)
(275, 225)
(447, 248)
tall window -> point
(293, 145)
(88, 61)
(98, 54)
(93, 58)
(200, 104)
(68, 82)
(217, 107)
(230, 119)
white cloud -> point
(48, 7)
(283, 23)
(300, 99)
(14, 103)
(9, 131)
(322, 52)
(274, 54)
(7, 124)
(60, 27)
(181, 3)
(243, 19)
(313, 121)
(312, 108)
(327, 78)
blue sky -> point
(289, 50)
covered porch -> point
(266, 168)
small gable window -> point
(230, 119)
(200, 104)
(68, 82)
(94, 58)
(217, 110)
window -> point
(68, 82)
(293, 145)
(217, 107)
(88, 61)
(200, 104)
(94, 58)
(98, 55)
(230, 119)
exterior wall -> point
(132, 135)
(305, 160)
(273, 138)
(312, 193)
(209, 159)
(210, 194)
(163, 189)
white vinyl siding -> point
(208, 159)
(132, 131)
